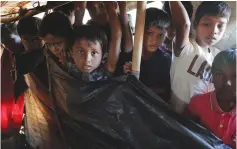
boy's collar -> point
(215, 106)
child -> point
(28, 30)
(168, 43)
(192, 59)
(88, 46)
(155, 64)
(56, 31)
(216, 110)
(33, 60)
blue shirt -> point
(155, 72)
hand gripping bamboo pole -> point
(138, 39)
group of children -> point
(191, 75)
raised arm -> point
(116, 34)
(80, 7)
(181, 22)
(126, 31)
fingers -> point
(63, 56)
(127, 67)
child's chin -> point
(87, 70)
(209, 44)
(151, 50)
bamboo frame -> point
(32, 12)
(138, 39)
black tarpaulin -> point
(121, 113)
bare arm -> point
(181, 21)
(116, 34)
(80, 7)
(126, 32)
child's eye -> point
(220, 26)
(161, 35)
(94, 52)
(149, 33)
(80, 52)
(218, 74)
(206, 24)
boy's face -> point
(97, 12)
(86, 54)
(224, 79)
(31, 43)
(210, 30)
(55, 44)
(153, 38)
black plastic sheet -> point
(123, 114)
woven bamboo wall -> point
(40, 125)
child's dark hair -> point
(57, 24)
(91, 33)
(157, 18)
(28, 26)
(212, 8)
(226, 57)
(187, 5)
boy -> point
(56, 31)
(168, 43)
(155, 64)
(28, 30)
(216, 110)
(99, 18)
(192, 59)
(88, 46)
(33, 60)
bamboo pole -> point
(138, 39)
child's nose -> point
(214, 30)
(88, 57)
(153, 41)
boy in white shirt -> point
(192, 58)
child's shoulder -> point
(201, 99)
(189, 49)
(193, 48)
(199, 103)
(214, 50)
(163, 54)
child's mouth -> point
(211, 39)
(87, 67)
